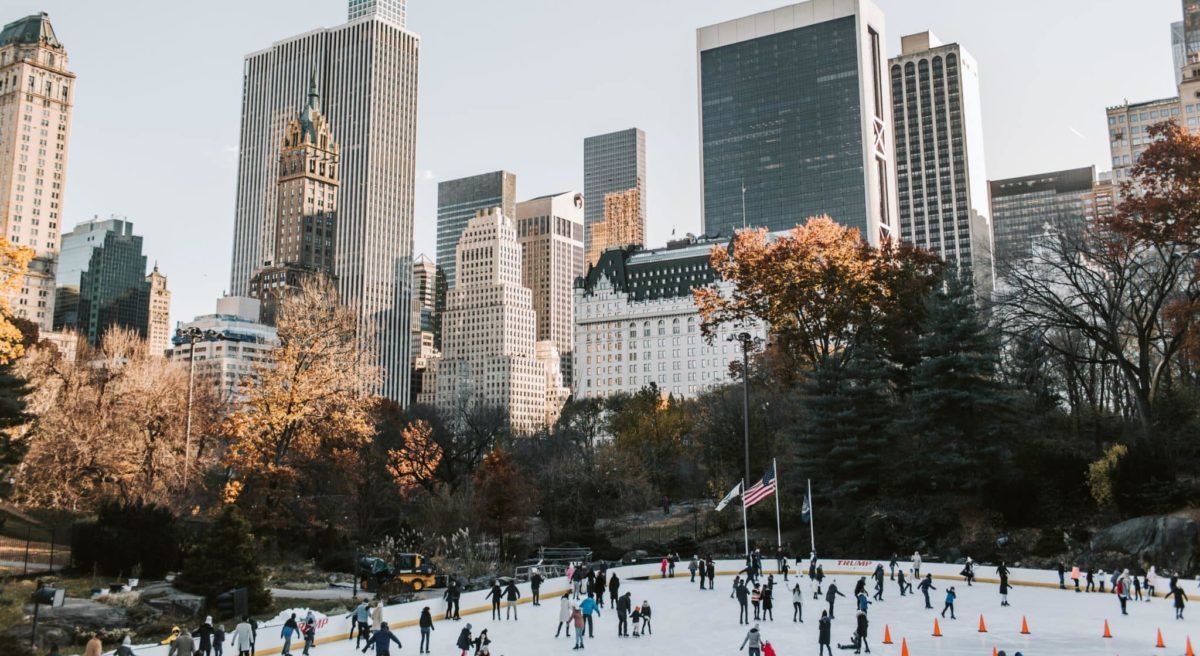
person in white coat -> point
(243, 637)
(1151, 581)
(797, 604)
(916, 561)
(564, 615)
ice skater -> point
(623, 607)
(768, 603)
(862, 632)
(925, 586)
(743, 598)
(756, 600)
(495, 594)
(535, 587)
(903, 583)
(1181, 600)
(831, 596)
(383, 638)
(754, 641)
(950, 597)
(512, 595)
(797, 604)
(588, 608)
(564, 614)
(878, 583)
(1004, 591)
(1121, 589)
(636, 618)
(1151, 581)
(426, 624)
(577, 620)
(823, 630)
(614, 588)
(968, 571)
(646, 618)
(916, 564)
(892, 568)
(692, 567)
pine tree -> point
(226, 557)
(959, 407)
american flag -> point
(762, 489)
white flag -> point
(733, 494)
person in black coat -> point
(495, 594)
(862, 632)
(823, 627)
(831, 596)
(535, 587)
(623, 604)
(464, 641)
(599, 589)
(511, 594)
(426, 624)
(743, 598)
(614, 587)
(712, 573)
(925, 586)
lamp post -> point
(191, 336)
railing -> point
(25, 555)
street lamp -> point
(191, 336)
(747, 341)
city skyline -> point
(112, 146)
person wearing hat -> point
(464, 640)
(381, 640)
(309, 631)
(183, 645)
(577, 620)
(426, 624)
(126, 648)
(535, 586)
(646, 618)
(753, 640)
(205, 634)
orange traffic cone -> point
(1160, 644)
(937, 630)
(1024, 626)
(887, 635)
(982, 626)
(994, 652)
(903, 646)
(1189, 651)
(1107, 633)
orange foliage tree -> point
(14, 261)
(819, 288)
(415, 463)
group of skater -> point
(1128, 587)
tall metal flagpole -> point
(812, 533)
(745, 528)
(778, 526)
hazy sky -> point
(518, 85)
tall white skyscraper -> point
(940, 174)
(37, 93)
(550, 230)
(366, 72)
(491, 356)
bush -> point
(127, 538)
(225, 557)
(14, 646)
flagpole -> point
(812, 533)
(745, 528)
(778, 526)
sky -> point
(519, 84)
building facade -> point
(941, 180)
(1022, 208)
(305, 208)
(243, 346)
(392, 11)
(637, 325)
(158, 326)
(102, 282)
(794, 121)
(37, 93)
(622, 225)
(550, 230)
(424, 288)
(490, 355)
(366, 71)
(614, 163)
(1129, 129)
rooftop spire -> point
(311, 108)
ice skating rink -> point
(687, 621)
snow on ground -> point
(687, 621)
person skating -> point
(1091, 580)
(861, 617)
(831, 596)
(860, 586)
(646, 618)
(376, 615)
(383, 638)
(1137, 588)
(426, 625)
(636, 618)
(614, 587)
(564, 615)
(512, 595)
(623, 608)
(588, 608)
(879, 583)
(823, 631)
(126, 648)
(464, 641)
(783, 567)
(692, 567)
(290, 628)
(361, 617)
(1062, 572)
(577, 620)
(495, 594)
(712, 573)
(452, 596)
(925, 586)
(861, 602)
(662, 569)
(672, 561)
(768, 603)
(916, 561)
(892, 567)
(601, 584)
(309, 631)
(1181, 600)
(482, 644)
(183, 645)
(218, 640)
(820, 578)
(1075, 577)
(756, 600)
(243, 637)
(950, 597)
(797, 604)
(1004, 591)
(205, 634)
(968, 571)
(1151, 582)
(743, 598)
(753, 642)
(535, 586)
(902, 582)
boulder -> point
(84, 615)
(177, 603)
(1169, 543)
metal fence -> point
(35, 551)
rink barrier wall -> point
(407, 615)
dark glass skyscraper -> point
(1023, 207)
(793, 121)
(102, 280)
(613, 163)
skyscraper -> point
(1022, 207)
(940, 174)
(393, 11)
(158, 320)
(614, 163)
(622, 225)
(366, 72)
(424, 294)
(305, 207)
(102, 280)
(490, 353)
(33, 154)
(794, 121)
(550, 231)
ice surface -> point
(689, 622)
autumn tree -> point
(816, 287)
(415, 461)
(1160, 202)
(109, 424)
(503, 497)
(14, 261)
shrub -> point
(126, 538)
(225, 557)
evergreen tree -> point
(226, 557)
(959, 407)
(844, 436)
